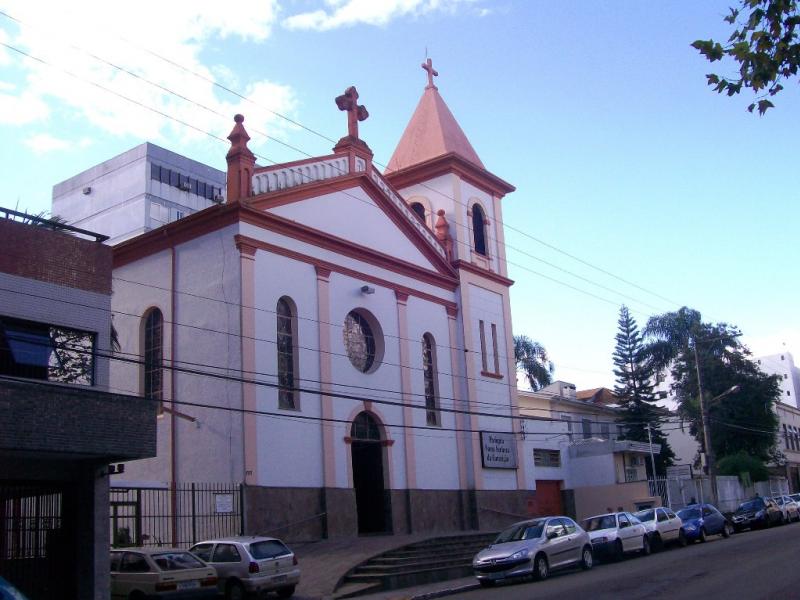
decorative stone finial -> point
(240, 162)
(428, 66)
(442, 229)
(355, 112)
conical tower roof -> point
(433, 131)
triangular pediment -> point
(363, 211)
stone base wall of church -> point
(300, 514)
(497, 509)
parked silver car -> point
(614, 534)
(533, 548)
(663, 526)
(789, 508)
(251, 565)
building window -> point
(568, 420)
(785, 436)
(286, 354)
(482, 331)
(546, 458)
(604, 432)
(365, 428)
(359, 341)
(479, 229)
(419, 210)
(587, 428)
(49, 352)
(429, 372)
(494, 349)
(154, 357)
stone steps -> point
(429, 561)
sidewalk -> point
(325, 562)
(454, 587)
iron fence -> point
(176, 516)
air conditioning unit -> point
(87, 190)
(219, 198)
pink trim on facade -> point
(294, 163)
(405, 388)
(247, 323)
(494, 277)
(472, 392)
(325, 375)
(444, 277)
(386, 442)
(328, 267)
(458, 402)
(492, 375)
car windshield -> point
(268, 549)
(176, 561)
(755, 504)
(779, 500)
(521, 531)
(602, 522)
(646, 515)
(689, 513)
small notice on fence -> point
(679, 472)
(223, 503)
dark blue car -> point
(701, 520)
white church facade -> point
(336, 338)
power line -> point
(187, 99)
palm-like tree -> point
(532, 360)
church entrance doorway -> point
(373, 504)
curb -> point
(447, 592)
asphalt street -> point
(751, 565)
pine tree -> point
(635, 389)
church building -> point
(335, 337)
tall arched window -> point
(430, 377)
(153, 352)
(419, 209)
(479, 229)
(286, 354)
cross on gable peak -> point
(355, 112)
(428, 66)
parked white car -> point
(663, 526)
(160, 573)
(614, 534)
(789, 508)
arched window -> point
(430, 377)
(419, 209)
(153, 352)
(365, 428)
(286, 354)
(479, 229)
(361, 339)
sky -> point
(636, 183)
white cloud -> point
(131, 35)
(346, 13)
(43, 143)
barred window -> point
(432, 416)
(286, 355)
(546, 458)
(154, 357)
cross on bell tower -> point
(428, 66)
(355, 112)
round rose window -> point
(359, 341)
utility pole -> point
(712, 467)
(652, 458)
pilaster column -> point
(325, 375)
(405, 388)
(247, 331)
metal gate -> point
(34, 535)
(178, 517)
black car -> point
(758, 512)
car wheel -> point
(137, 595)
(587, 559)
(726, 530)
(540, 568)
(658, 543)
(487, 583)
(702, 537)
(286, 592)
(234, 591)
(645, 546)
(619, 552)
(682, 539)
(780, 519)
